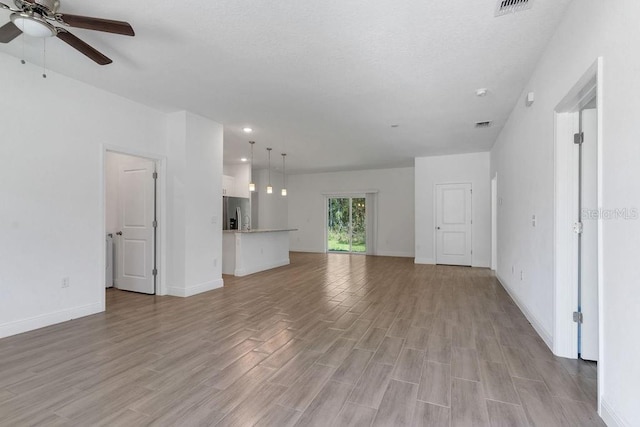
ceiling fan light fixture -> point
(32, 25)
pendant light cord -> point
(269, 151)
(284, 174)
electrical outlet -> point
(533, 220)
(65, 282)
(521, 275)
(215, 262)
(513, 269)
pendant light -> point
(284, 177)
(269, 187)
(252, 185)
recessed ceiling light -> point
(481, 92)
(244, 159)
(247, 130)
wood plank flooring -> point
(329, 340)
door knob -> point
(437, 228)
(119, 233)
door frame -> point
(435, 218)
(566, 123)
(494, 222)
(161, 212)
(350, 196)
(371, 196)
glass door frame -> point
(350, 197)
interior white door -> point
(136, 211)
(589, 237)
(453, 224)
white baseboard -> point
(480, 265)
(537, 325)
(395, 254)
(37, 322)
(311, 251)
(610, 417)
(378, 253)
(256, 269)
(424, 261)
(177, 291)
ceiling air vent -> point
(483, 124)
(505, 7)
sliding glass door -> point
(346, 224)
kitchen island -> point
(246, 252)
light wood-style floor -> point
(329, 340)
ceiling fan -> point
(36, 18)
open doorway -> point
(131, 223)
(578, 222)
(587, 216)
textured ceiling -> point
(323, 81)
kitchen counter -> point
(246, 252)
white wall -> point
(462, 168)
(395, 207)
(523, 159)
(195, 194)
(52, 215)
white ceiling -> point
(321, 80)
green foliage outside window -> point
(339, 231)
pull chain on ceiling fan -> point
(36, 18)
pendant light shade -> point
(284, 177)
(252, 185)
(269, 187)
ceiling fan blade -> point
(82, 47)
(7, 7)
(106, 25)
(9, 32)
